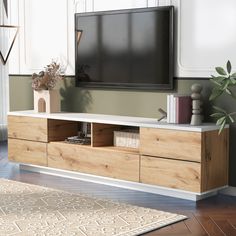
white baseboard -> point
(231, 191)
(187, 195)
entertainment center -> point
(178, 160)
(124, 49)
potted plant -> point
(223, 84)
(46, 98)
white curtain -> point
(4, 84)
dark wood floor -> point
(213, 216)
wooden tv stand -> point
(176, 159)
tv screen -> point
(125, 49)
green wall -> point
(121, 102)
(115, 102)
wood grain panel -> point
(27, 152)
(29, 128)
(170, 173)
(215, 149)
(174, 144)
(104, 162)
(102, 134)
(58, 130)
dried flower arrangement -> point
(47, 79)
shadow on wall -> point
(74, 99)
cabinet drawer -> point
(28, 128)
(27, 152)
(170, 173)
(174, 144)
(91, 160)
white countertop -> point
(117, 120)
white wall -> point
(206, 36)
(46, 33)
(205, 32)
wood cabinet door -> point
(176, 174)
(176, 144)
(29, 128)
(96, 161)
(27, 152)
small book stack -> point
(179, 109)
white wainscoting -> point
(47, 30)
(206, 36)
(205, 32)
(46, 33)
(104, 5)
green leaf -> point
(216, 92)
(222, 127)
(218, 78)
(233, 80)
(217, 115)
(231, 118)
(229, 92)
(225, 85)
(233, 75)
(228, 66)
(221, 120)
(215, 82)
(220, 71)
(219, 109)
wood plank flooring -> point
(215, 216)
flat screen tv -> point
(125, 49)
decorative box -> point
(126, 138)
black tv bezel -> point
(132, 86)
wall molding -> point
(230, 191)
(179, 60)
(80, 6)
(21, 62)
(196, 69)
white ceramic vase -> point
(47, 101)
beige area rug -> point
(34, 210)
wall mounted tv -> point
(125, 49)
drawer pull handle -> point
(157, 139)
